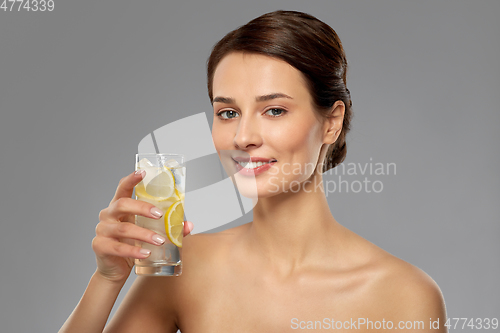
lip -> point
(256, 171)
(252, 159)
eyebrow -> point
(225, 100)
(271, 96)
(229, 100)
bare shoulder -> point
(205, 255)
(202, 247)
(404, 292)
(408, 284)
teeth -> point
(252, 165)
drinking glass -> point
(163, 185)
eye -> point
(227, 114)
(275, 112)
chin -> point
(254, 188)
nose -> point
(248, 133)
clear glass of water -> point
(163, 185)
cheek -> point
(221, 136)
(297, 144)
(297, 150)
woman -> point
(278, 90)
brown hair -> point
(309, 45)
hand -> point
(116, 232)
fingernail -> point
(158, 239)
(140, 172)
(145, 252)
(156, 212)
(190, 225)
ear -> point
(333, 124)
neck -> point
(292, 230)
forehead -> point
(255, 74)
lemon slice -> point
(157, 185)
(179, 195)
(174, 223)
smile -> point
(253, 166)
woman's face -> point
(263, 110)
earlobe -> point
(334, 122)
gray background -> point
(82, 85)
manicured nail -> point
(156, 212)
(140, 173)
(145, 252)
(158, 239)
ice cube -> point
(174, 165)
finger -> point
(126, 231)
(103, 247)
(188, 227)
(127, 183)
(128, 206)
